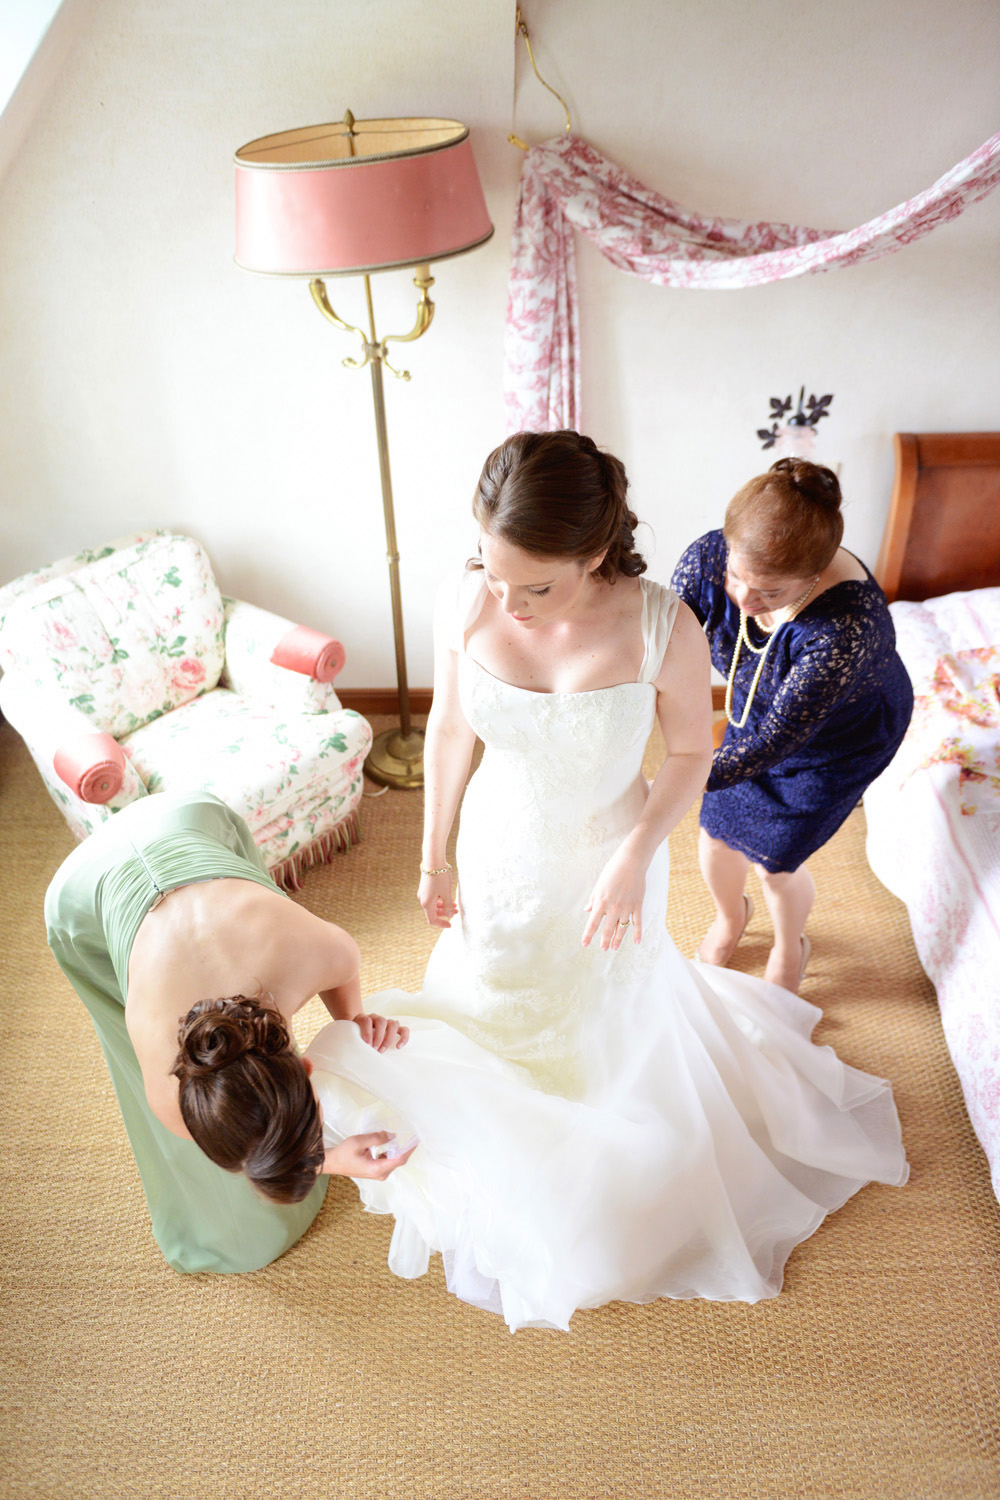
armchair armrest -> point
(310, 652)
(91, 765)
(62, 741)
(269, 659)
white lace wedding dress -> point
(594, 1126)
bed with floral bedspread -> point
(934, 831)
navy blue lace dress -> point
(830, 710)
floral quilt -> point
(934, 831)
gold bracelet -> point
(445, 870)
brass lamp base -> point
(397, 760)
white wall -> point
(145, 380)
(23, 23)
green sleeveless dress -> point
(204, 1219)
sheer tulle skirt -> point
(712, 1138)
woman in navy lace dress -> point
(817, 699)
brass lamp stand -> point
(397, 755)
(346, 199)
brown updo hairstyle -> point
(556, 494)
(246, 1097)
(787, 523)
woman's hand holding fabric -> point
(381, 1032)
(353, 1157)
(617, 899)
(684, 711)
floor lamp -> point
(350, 199)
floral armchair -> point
(127, 673)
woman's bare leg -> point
(789, 898)
(724, 871)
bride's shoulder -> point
(662, 609)
(687, 659)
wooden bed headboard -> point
(943, 529)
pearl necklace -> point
(743, 638)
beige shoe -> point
(807, 949)
(806, 954)
(697, 957)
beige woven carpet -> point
(873, 1375)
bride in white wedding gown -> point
(598, 1117)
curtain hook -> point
(521, 29)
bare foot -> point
(787, 966)
(721, 940)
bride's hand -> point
(353, 1157)
(434, 895)
(616, 901)
(381, 1032)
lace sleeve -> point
(699, 574)
(838, 653)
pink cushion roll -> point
(92, 766)
(310, 652)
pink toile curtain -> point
(567, 185)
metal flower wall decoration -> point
(797, 432)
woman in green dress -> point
(166, 906)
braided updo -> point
(557, 494)
(246, 1098)
(787, 523)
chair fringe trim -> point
(287, 872)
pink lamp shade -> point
(348, 198)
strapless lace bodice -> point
(585, 747)
(575, 746)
